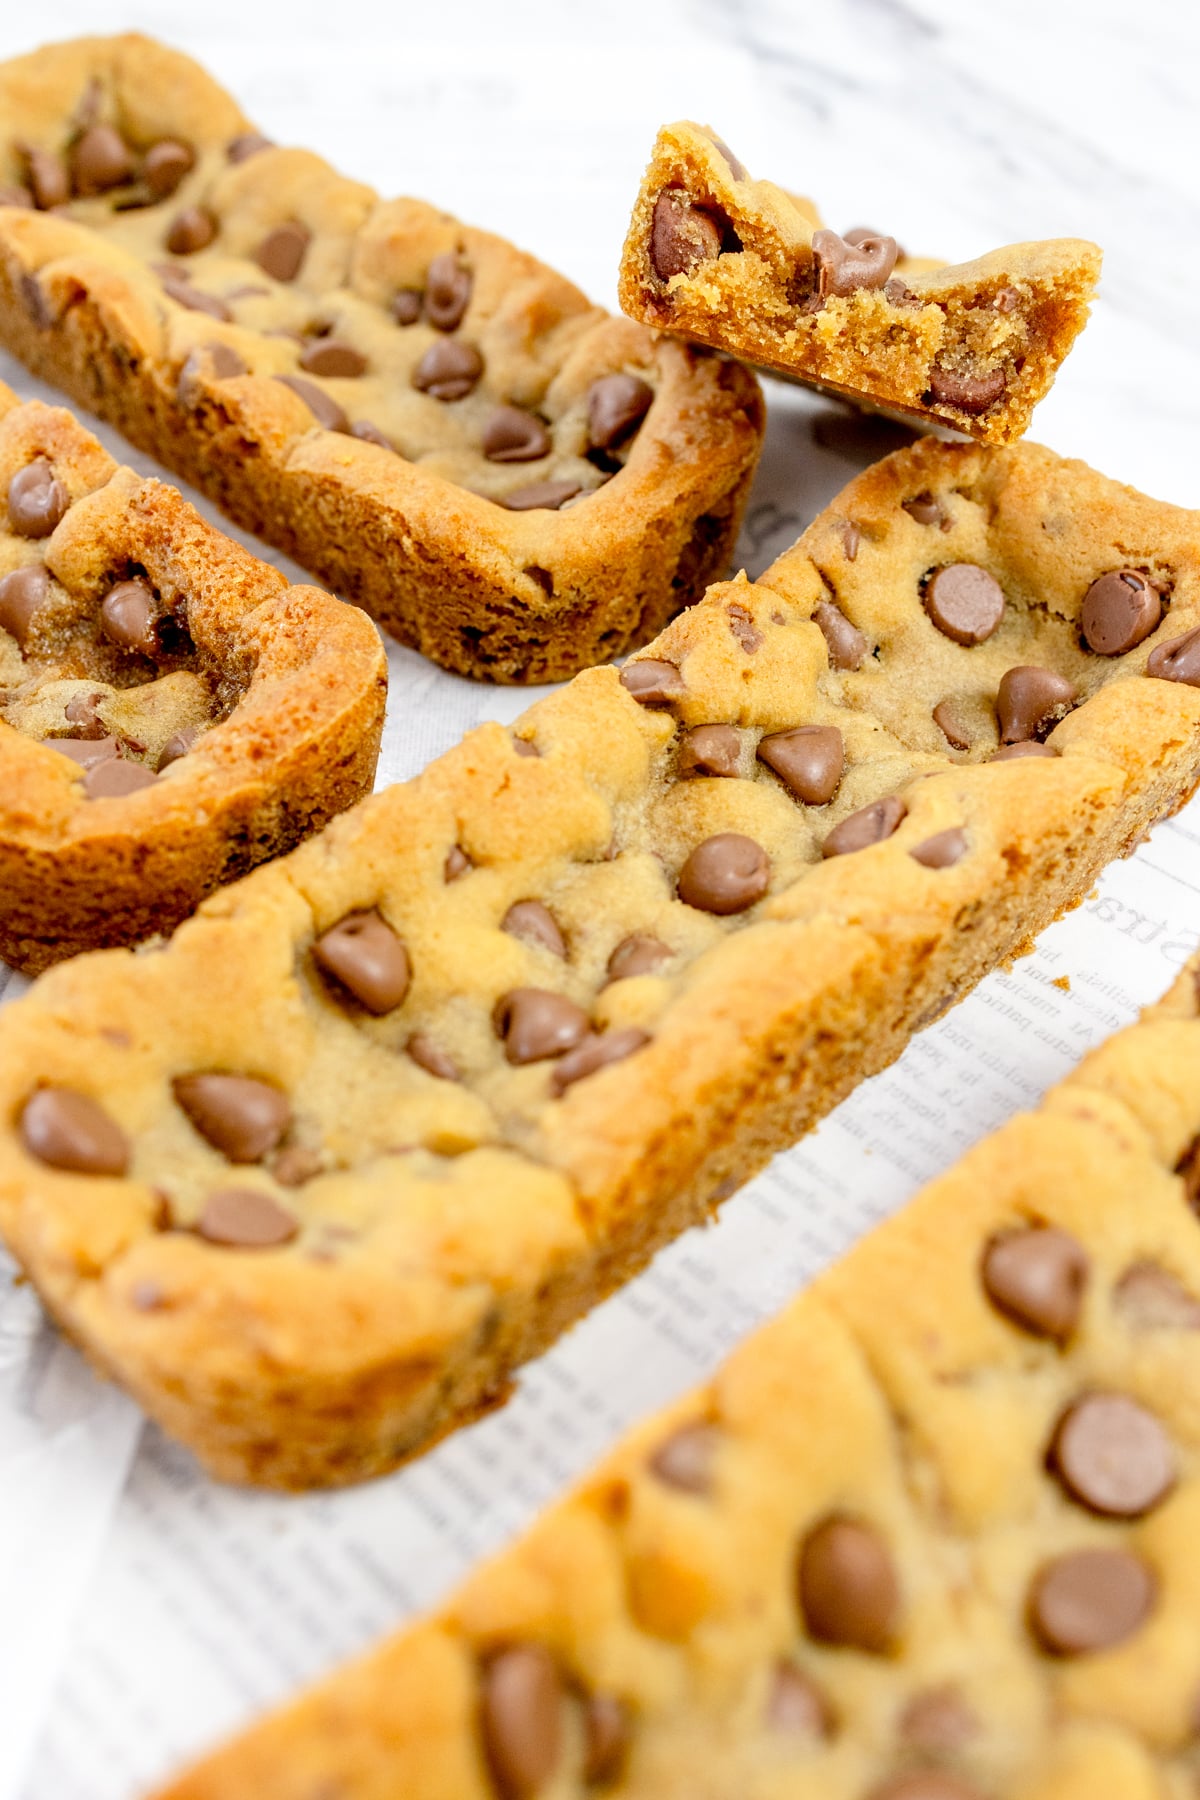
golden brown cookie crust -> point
(973, 346)
(448, 1229)
(281, 693)
(90, 299)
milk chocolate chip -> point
(207, 362)
(179, 288)
(323, 407)
(1012, 752)
(129, 615)
(653, 681)
(448, 370)
(536, 1023)
(964, 602)
(869, 825)
(513, 435)
(246, 1219)
(845, 642)
(1030, 700)
(447, 292)
(406, 306)
(37, 500)
(796, 1704)
(329, 356)
(725, 874)
(685, 1460)
(1089, 1600)
(282, 252)
(948, 723)
(191, 230)
(21, 593)
(1119, 610)
(365, 955)
(521, 1709)
(241, 1117)
(177, 746)
(967, 393)
(927, 510)
(681, 235)
(709, 750)
(100, 160)
(597, 1051)
(1177, 660)
(843, 267)
(240, 149)
(809, 760)
(165, 165)
(937, 1722)
(366, 433)
(847, 1586)
(85, 752)
(457, 863)
(546, 496)
(114, 778)
(617, 404)
(1113, 1456)
(430, 1056)
(1036, 1276)
(68, 1130)
(48, 178)
(942, 850)
(1149, 1298)
(607, 1731)
(534, 924)
(637, 954)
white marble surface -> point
(144, 1615)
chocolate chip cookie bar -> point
(433, 422)
(930, 1535)
(171, 711)
(742, 265)
(386, 1116)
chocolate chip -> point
(191, 230)
(1036, 1276)
(1089, 1600)
(967, 393)
(545, 496)
(68, 1130)
(247, 144)
(846, 644)
(942, 850)
(843, 267)
(1119, 610)
(964, 602)
(869, 825)
(597, 1050)
(48, 178)
(165, 165)
(429, 1056)
(725, 874)
(21, 593)
(512, 435)
(177, 287)
(296, 1165)
(323, 407)
(809, 760)
(1006, 300)
(1030, 701)
(637, 954)
(709, 750)
(535, 1023)
(681, 235)
(1177, 660)
(937, 1722)
(448, 370)
(927, 510)
(525, 747)
(282, 251)
(129, 615)
(744, 629)
(177, 746)
(736, 168)
(926, 1784)
(37, 500)
(241, 1117)
(617, 404)
(851, 539)
(796, 1704)
(457, 863)
(1149, 1298)
(653, 681)
(114, 779)
(406, 306)
(534, 924)
(246, 1219)
(521, 1708)
(947, 723)
(1012, 751)
(447, 292)
(900, 294)
(847, 1586)
(1113, 1456)
(370, 434)
(100, 160)
(607, 1731)
(86, 752)
(215, 362)
(685, 1460)
(328, 356)
(365, 955)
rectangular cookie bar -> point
(929, 1535)
(430, 420)
(389, 1114)
(172, 711)
(742, 265)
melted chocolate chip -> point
(607, 1733)
(114, 779)
(1089, 1600)
(536, 1023)
(652, 681)
(177, 746)
(709, 750)
(597, 1050)
(295, 1165)
(68, 1130)
(964, 602)
(937, 1722)
(1177, 660)
(1037, 1276)
(367, 958)
(48, 178)
(330, 357)
(207, 362)
(942, 850)
(129, 616)
(1119, 610)
(926, 510)
(725, 874)
(448, 370)
(406, 306)
(796, 1705)
(681, 235)
(177, 287)
(37, 500)
(617, 404)
(847, 1586)
(1030, 701)
(1113, 1456)
(544, 496)
(191, 230)
(845, 642)
(100, 159)
(1149, 1298)
(241, 148)
(21, 593)
(744, 629)
(869, 825)
(246, 1219)
(323, 407)
(281, 253)
(809, 760)
(86, 752)
(165, 165)
(430, 1056)
(447, 292)
(737, 168)
(947, 723)
(1010, 752)
(637, 954)
(513, 435)
(685, 1461)
(521, 1708)
(241, 1117)
(851, 539)
(534, 924)
(457, 863)
(967, 393)
(843, 267)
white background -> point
(144, 1611)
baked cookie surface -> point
(432, 421)
(389, 1114)
(744, 266)
(172, 712)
